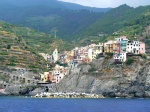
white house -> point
(133, 47)
(120, 57)
(59, 72)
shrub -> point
(8, 46)
(129, 61)
(144, 56)
(92, 69)
(110, 55)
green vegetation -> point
(82, 26)
(31, 39)
(67, 23)
(123, 20)
(109, 55)
(20, 46)
(92, 69)
(129, 61)
(144, 56)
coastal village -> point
(119, 48)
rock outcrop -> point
(126, 81)
(111, 81)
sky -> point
(109, 3)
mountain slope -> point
(52, 4)
(19, 47)
(117, 19)
(48, 16)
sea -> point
(25, 104)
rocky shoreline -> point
(67, 95)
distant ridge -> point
(52, 4)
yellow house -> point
(108, 46)
(44, 76)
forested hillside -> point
(50, 15)
(84, 26)
(123, 20)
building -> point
(95, 50)
(142, 48)
(116, 47)
(133, 47)
(120, 57)
(122, 43)
(59, 72)
(55, 55)
(44, 76)
(108, 46)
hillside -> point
(52, 4)
(120, 18)
(49, 15)
(19, 47)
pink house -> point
(142, 48)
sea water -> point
(20, 104)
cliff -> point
(102, 78)
(110, 80)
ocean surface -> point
(19, 104)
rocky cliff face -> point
(100, 77)
(110, 81)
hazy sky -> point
(109, 3)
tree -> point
(8, 46)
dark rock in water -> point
(109, 94)
(139, 94)
(26, 90)
(36, 91)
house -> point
(44, 76)
(116, 47)
(59, 72)
(122, 43)
(63, 58)
(95, 50)
(133, 47)
(73, 64)
(142, 48)
(108, 46)
(120, 57)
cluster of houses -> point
(119, 47)
(55, 75)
